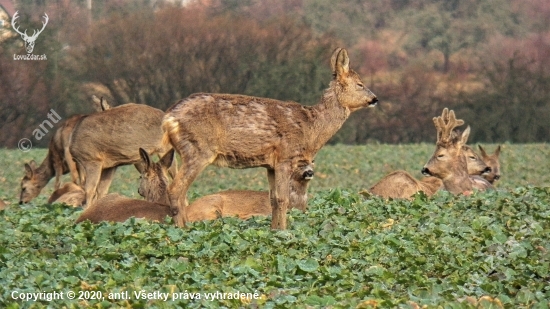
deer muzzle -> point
(486, 171)
(426, 172)
(373, 102)
(308, 174)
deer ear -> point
(333, 59)
(146, 160)
(29, 171)
(483, 153)
(497, 151)
(104, 105)
(465, 135)
(167, 159)
(32, 164)
(342, 63)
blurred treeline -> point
(487, 59)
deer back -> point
(70, 194)
(117, 208)
(113, 136)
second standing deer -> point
(240, 131)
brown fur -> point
(245, 203)
(448, 162)
(493, 162)
(400, 184)
(118, 208)
(70, 194)
(101, 142)
(58, 162)
(240, 131)
(2, 205)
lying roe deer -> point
(448, 162)
(245, 203)
(400, 184)
(118, 208)
(493, 162)
(58, 161)
(240, 131)
(70, 194)
(101, 142)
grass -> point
(488, 250)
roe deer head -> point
(448, 162)
(103, 141)
(240, 131)
(493, 162)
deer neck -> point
(458, 181)
(328, 118)
(45, 171)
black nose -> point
(308, 174)
(487, 170)
(426, 172)
(373, 102)
(497, 177)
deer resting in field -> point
(70, 194)
(117, 208)
(101, 142)
(448, 162)
(240, 131)
(400, 184)
(153, 187)
(58, 161)
(493, 162)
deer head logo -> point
(29, 40)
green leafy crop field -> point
(487, 250)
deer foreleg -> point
(282, 195)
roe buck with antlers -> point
(58, 161)
(101, 142)
(70, 194)
(29, 40)
(400, 184)
(448, 162)
(240, 131)
(493, 162)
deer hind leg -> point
(93, 176)
(105, 181)
(282, 195)
(177, 192)
(73, 170)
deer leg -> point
(282, 195)
(73, 170)
(178, 188)
(93, 176)
(105, 181)
(272, 199)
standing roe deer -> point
(493, 162)
(58, 161)
(448, 162)
(400, 184)
(101, 142)
(240, 131)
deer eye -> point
(360, 85)
(472, 157)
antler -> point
(24, 34)
(445, 125)
(15, 16)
